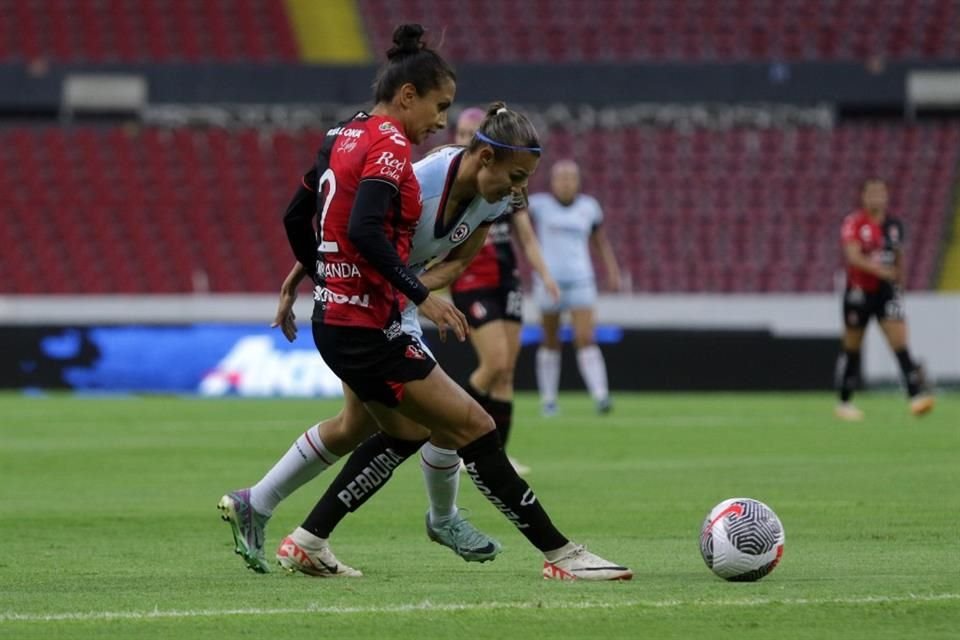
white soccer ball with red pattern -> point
(741, 540)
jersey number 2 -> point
(328, 178)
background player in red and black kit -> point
(369, 204)
(488, 293)
(873, 248)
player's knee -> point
(344, 432)
(583, 339)
(505, 379)
(479, 421)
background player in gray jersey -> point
(568, 225)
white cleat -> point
(296, 554)
(580, 564)
(848, 412)
(519, 467)
(921, 404)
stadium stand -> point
(102, 31)
(129, 210)
(690, 31)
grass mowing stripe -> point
(477, 606)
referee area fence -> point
(217, 345)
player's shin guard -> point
(910, 372)
(490, 470)
(848, 374)
(366, 471)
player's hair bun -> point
(407, 39)
(496, 108)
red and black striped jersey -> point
(349, 290)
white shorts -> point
(573, 295)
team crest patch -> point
(478, 311)
(415, 353)
(460, 233)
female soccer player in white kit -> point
(568, 225)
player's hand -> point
(887, 273)
(614, 281)
(552, 288)
(285, 318)
(445, 316)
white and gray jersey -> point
(564, 234)
(433, 239)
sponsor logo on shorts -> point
(415, 353)
(478, 311)
(393, 331)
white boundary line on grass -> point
(430, 607)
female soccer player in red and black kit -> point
(873, 248)
(369, 206)
(488, 293)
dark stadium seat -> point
(145, 31)
(127, 210)
(693, 30)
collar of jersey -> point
(440, 229)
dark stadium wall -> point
(680, 360)
(599, 84)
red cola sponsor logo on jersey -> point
(390, 166)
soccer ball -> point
(741, 540)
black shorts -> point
(486, 305)
(374, 367)
(859, 306)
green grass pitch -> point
(109, 526)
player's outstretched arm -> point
(531, 248)
(601, 244)
(285, 318)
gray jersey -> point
(564, 234)
(432, 239)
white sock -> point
(441, 473)
(556, 554)
(308, 540)
(593, 369)
(302, 462)
(548, 374)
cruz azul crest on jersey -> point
(460, 233)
